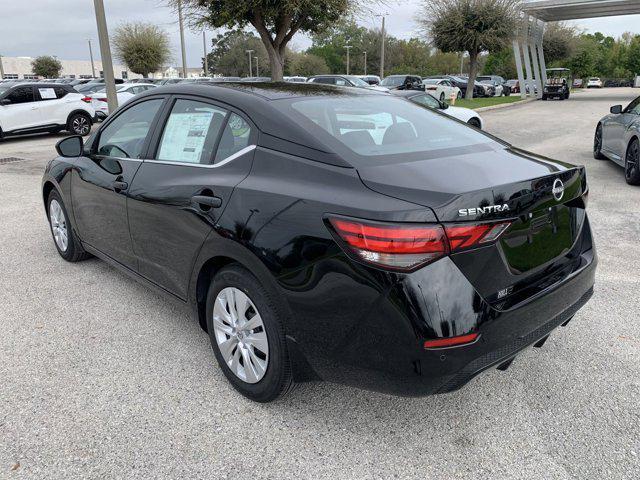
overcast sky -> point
(43, 27)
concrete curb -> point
(504, 105)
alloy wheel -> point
(80, 125)
(58, 225)
(240, 335)
(631, 161)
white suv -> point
(43, 107)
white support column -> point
(527, 67)
(536, 67)
(518, 57)
(543, 63)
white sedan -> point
(594, 82)
(441, 88)
(466, 115)
(124, 91)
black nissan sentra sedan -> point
(329, 233)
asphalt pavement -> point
(102, 378)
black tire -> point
(74, 251)
(277, 380)
(632, 163)
(79, 124)
(459, 95)
(544, 97)
(597, 144)
(442, 97)
(474, 122)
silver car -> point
(617, 138)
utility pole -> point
(206, 60)
(184, 53)
(1, 69)
(382, 50)
(105, 54)
(250, 67)
(461, 62)
(365, 62)
(348, 47)
(93, 67)
(257, 70)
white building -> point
(20, 67)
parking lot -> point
(102, 378)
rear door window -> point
(235, 136)
(191, 132)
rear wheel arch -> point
(204, 278)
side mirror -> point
(70, 147)
(616, 109)
(5, 101)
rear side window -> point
(191, 132)
(21, 95)
(235, 136)
(124, 137)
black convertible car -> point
(329, 233)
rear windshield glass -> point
(381, 125)
(392, 81)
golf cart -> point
(558, 83)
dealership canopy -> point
(527, 46)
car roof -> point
(407, 93)
(257, 100)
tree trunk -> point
(276, 61)
(473, 73)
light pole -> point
(257, 70)
(461, 62)
(382, 46)
(105, 54)
(93, 67)
(1, 69)
(184, 52)
(250, 67)
(347, 47)
(365, 62)
(206, 60)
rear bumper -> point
(371, 336)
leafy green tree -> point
(584, 62)
(633, 56)
(306, 64)
(142, 47)
(472, 26)
(276, 22)
(46, 66)
(501, 63)
(229, 55)
(559, 41)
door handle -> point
(207, 201)
(119, 185)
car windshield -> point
(392, 81)
(358, 82)
(380, 126)
(3, 89)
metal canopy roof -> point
(556, 10)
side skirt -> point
(132, 274)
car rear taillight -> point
(431, 88)
(406, 246)
(396, 246)
(86, 99)
(464, 236)
(451, 341)
(103, 99)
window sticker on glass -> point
(47, 93)
(184, 136)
